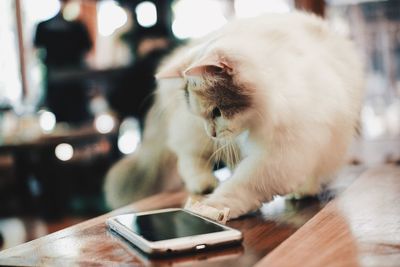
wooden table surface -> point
(359, 227)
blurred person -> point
(65, 43)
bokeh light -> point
(104, 123)
(128, 142)
(72, 10)
(146, 13)
(64, 152)
(110, 17)
(129, 137)
(47, 120)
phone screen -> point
(168, 225)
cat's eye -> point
(216, 112)
(215, 69)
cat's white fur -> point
(306, 91)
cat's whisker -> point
(225, 155)
(213, 150)
(212, 156)
(221, 151)
(235, 153)
(232, 163)
(229, 152)
(216, 152)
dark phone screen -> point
(168, 225)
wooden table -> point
(36, 158)
(359, 227)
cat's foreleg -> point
(193, 149)
(257, 179)
(243, 192)
(196, 173)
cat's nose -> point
(210, 129)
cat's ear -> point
(214, 61)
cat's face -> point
(213, 93)
(218, 100)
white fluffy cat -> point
(277, 97)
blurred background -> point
(76, 79)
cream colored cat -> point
(277, 97)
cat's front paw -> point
(237, 206)
(204, 184)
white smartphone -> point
(170, 231)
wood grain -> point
(360, 227)
(90, 244)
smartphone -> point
(170, 231)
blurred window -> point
(251, 8)
(34, 12)
(194, 19)
(10, 85)
(350, 2)
(375, 27)
(40, 10)
(110, 17)
(112, 21)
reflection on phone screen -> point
(168, 225)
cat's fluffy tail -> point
(151, 169)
